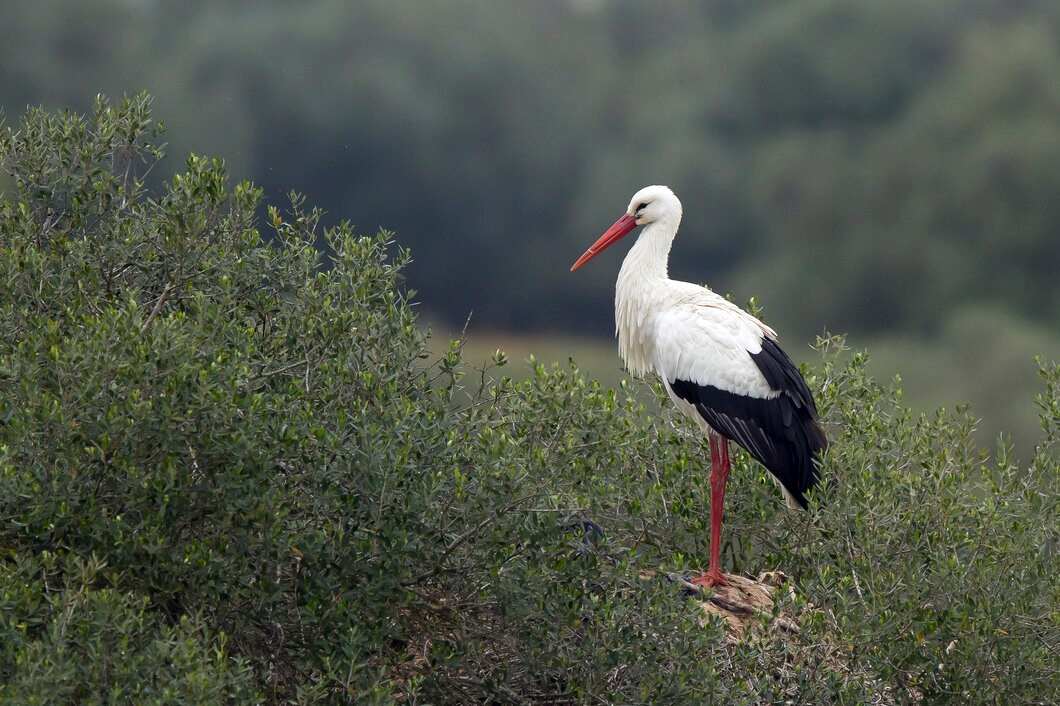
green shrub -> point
(229, 473)
(75, 642)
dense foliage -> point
(229, 474)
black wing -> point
(781, 432)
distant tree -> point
(909, 145)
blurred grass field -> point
(980, 357)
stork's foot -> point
(712, 578)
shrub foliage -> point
(230, 473)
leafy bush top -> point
(229, 474)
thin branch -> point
(157, 308)
(268, 373)
(470, 533)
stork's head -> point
(649, 205)
(653, 203)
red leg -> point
(719, 474)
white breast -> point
(634, 326)
(683, 331)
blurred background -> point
(886, 169)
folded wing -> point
(727, 366)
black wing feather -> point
(781, 432)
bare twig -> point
(158, 307)
(470, 533)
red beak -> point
(611, 236)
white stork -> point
(720, 365)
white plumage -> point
(677, 329)
(720, 365)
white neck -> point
(649, 256)
(642, 277)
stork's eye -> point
(640, 208)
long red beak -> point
(611, 236)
